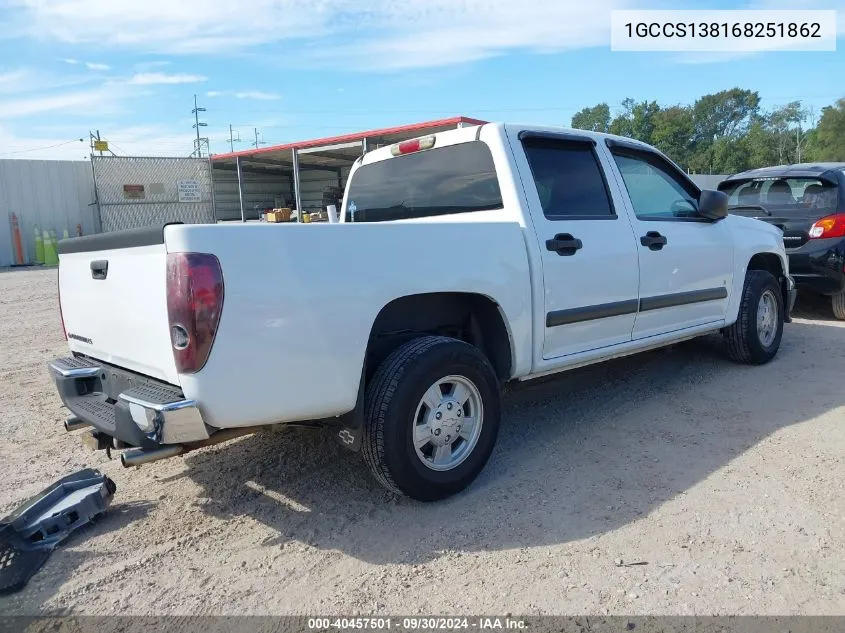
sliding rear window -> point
(440, 181)
(782, 195)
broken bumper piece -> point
(30, 533)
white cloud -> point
(149, 79)
(356, 34)
(102, 100)
(258, 95)
(247, 94)
(89, 65)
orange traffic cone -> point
(16, 239)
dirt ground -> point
(672, 482)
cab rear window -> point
(441, 181)
(782, 195)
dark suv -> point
(807, 202)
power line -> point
(38, 149)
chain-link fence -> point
(135, 191)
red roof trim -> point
(332, 140)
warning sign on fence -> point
(133, 192)
(189, 190)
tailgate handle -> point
(99, 268)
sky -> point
(303, 69)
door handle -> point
(564, 244)
(99, 268)
(654, 240)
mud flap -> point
(31, 532)
(349, 438)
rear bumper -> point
(127, 406)
(819, 265)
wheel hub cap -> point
(447, 423)
(767, 318)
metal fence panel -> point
(140, 191)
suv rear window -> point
(453, 179)
(782, 195)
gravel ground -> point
(672, 482)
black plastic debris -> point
(37, 526)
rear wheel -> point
(755, 336)
(432, 417)
(838, 303)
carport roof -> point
(336, 151)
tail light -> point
(414, 145)
(61, 314)
(194, 303)
(831, 226)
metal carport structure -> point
(305, 175)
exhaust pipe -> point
(138, 456)
(74, 424)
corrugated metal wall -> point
(312, 184)
(266, 191)
(51, 194)
(260, 192)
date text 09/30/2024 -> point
(416, 623)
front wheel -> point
(432, 418)
(838, 303)
(755, 337)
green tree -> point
(672, 133)
(760, 145)
(725, 113)
(784, 127)
(636, 121)
(595, 119)
(829, 141)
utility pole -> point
(197, 125)
(93, 135)
(232, 139)
(257, 142)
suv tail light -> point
(831, 226)
(194, 303)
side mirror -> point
(713, 205)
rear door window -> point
(441, 181)
(569, 179)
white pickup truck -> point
(462, 261)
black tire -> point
(742, 339)
(837, 301)
(392, 398)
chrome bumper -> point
(127, 406)
(166, 422)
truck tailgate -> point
(113, 296)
